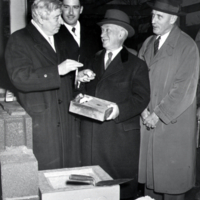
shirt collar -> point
(114, 52)
(163, 38)
(40, 30)
(77, 26)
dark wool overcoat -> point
(114, 144)
(32, 66)
(167, 153)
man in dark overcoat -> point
(168, 136)
(80, 45)
(114, 143)
(35, 70)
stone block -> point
(19, 173)
(15, 126)
(53, 185)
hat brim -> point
(181, 13)
(128, 27)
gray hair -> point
(43, 8)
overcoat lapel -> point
(99, 65)
(41, 44)
(116, 65)
(168, 47)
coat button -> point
(59, 101)
(58, 125)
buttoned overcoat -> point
(167, 152)
(114, 144)
(32, 65)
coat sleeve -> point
(183, 92)
(198, 87)
(139, 94)
(28, 72)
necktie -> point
(109, 59)
(156, 44)
(74, 30)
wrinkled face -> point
(110, 36)
(51, 25)
(71, 11)
(161, 22)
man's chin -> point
(155, 31)
(56, 31)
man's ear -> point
(173, 19)
(40, 20)
(121, 33)
(81, 10)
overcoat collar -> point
(41, 44)
(168, 46)
(115, 66)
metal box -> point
(94, 108)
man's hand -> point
(151, 120)
(67, 66)
(115, 112)
(145, 114)
(85, 75)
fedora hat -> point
(118, 17)
(167, 6)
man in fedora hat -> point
(167, 151)
(122, 78)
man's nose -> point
(102, 33)
(153, 20)
(71, 11)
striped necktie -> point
(110, 54)
(156, 44)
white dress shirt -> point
(50, 39)
(77, 34)
(162, 39)
(114, 53)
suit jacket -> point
(89, 44)
(32, 66)
(170, 147)
(114, 144)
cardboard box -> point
(94, 108)
(53, 185)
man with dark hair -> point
(40, 78)
(78, 42)
(168, 135)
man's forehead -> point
(157, 12)
(110, 26)
(56, 12)
(71, 2)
